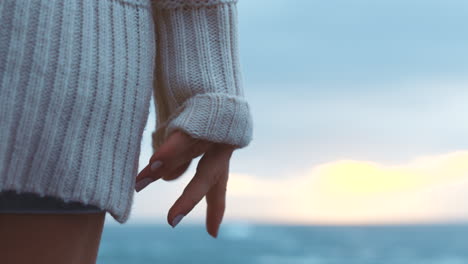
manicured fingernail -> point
(156, 165)
(177, 219)
(142, 183)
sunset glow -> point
(350, 191)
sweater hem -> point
(120, 216)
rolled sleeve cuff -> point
(216, 117)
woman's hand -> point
(210, 180)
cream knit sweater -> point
(76, 80)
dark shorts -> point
(31, 203)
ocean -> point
(275, 244)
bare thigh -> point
(50, 238)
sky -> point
(360, 116)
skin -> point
(209, 181)
(50, 238)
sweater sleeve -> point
(198, 85)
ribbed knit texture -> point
(75, 88)
(76, 79)
(198, 85)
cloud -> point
(425, 189)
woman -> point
(76, 78)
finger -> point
(144, 178)
(179, 149)
(177, 172)
(195, 150)
(206, 176)
(146, 172)
(216, 196)
(147, 175)
(216, 205)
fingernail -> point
(156, 165)
(177, 219)
(142, 183)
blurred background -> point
(360, 146)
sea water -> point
(270, 244)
